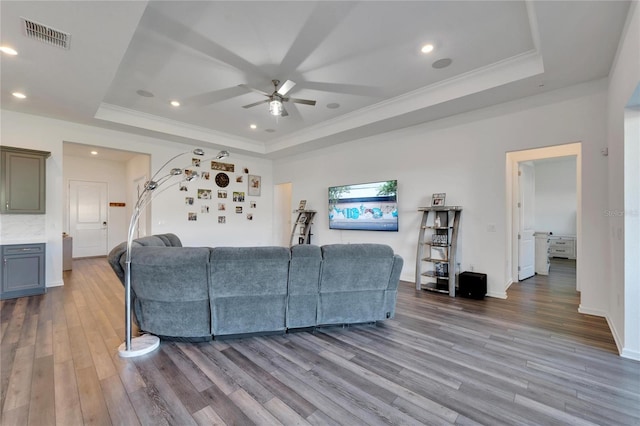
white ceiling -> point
(364, 56)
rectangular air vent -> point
(46, 34)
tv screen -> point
(369, 206)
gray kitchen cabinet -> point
(22, 270)
(23, 180)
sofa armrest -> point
(116, 261)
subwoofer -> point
(472, 285)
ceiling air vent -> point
(46, 34)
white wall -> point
(465, 156)
(33, 132)
(623, 296)
(95, 170)
(555, 196)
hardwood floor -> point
(530, 359)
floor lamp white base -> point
(139, 346)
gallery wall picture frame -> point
(255, 185)
(437, 200)
(225, 167)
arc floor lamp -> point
(147, 343)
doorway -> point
(282, 213)
(88, 221)
(513, 197)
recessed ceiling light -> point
(8, 50)
(94, 152)
(427, 48)
(333, 105)
(253, 126)
(442, 63)
(19, 95)
(175, 103)
(145, 93)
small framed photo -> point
(238, 209)
(222, 193)
(249, 216)
(302, 205)
(255, 185)
(222, 219)
(437, 200)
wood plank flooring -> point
(530, 359)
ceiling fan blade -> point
(286, 86)
(301, 101)
(256, 103)
(254, 90)
(284, 112)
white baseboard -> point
(626, 353)
(592, 311)
(614, 332)
(502, 295)
(55, 283)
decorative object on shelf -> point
(147, 343)
(255, 185)
(222, 180)
(437, 247)
(437, 200)
(302, 205)
(302, 219)
(439, 239)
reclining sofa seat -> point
(358, 283)
(248, 289)
(171, 294)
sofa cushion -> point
(353, 283)
(171, 289)
(304, 285)
(248, 289)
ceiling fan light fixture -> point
(275, 107)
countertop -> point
(16, 241)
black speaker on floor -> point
(472, 285)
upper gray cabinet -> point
(23, 186)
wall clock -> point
(222, 180)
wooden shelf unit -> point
(437, 246)
(301, 230)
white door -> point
(526, 240)
(88, 218)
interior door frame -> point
(512, 194)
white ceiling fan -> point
(277, 98)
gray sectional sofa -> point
(202, 292)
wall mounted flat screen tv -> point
(369, 206)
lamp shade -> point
(275, 107)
